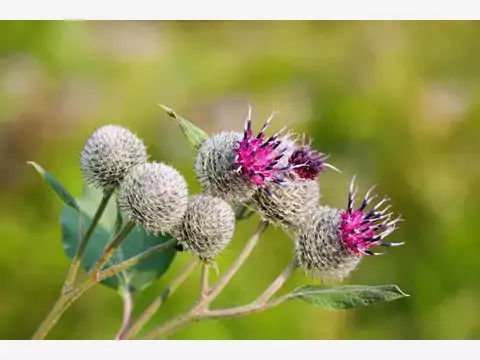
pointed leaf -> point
(348, 296)
(194, 134)
(56, 186)
(133, 279)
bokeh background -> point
(397, 103)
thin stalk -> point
(67, 299)
(242, 211)
(62, 304)
(278, 283)
(127, 314)
(110, 249)
(247, 250)
(204, 282)
(113, 270)
(82, 246)
(243, 310)
(261, 303)
(198, 310)
(172, 326)
(155, 305)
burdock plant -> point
(137, 215)
(332, 242)
(233, 165)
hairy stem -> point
(127, 314)
(278, 283)
(62, 304)
(198, 310)
(242, 310)
(155, 305)
(68, 298)
(204, 282)
(82, 246)
(199, 313)
(172, 326)
(242, 211)
(115, 269)
(110, 249)
(261, 303)
(247, 250)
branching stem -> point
(201, 311)
(66, 299)
(82, 246)
(137, 326)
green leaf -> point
(194, 134)
(133, 279)
(56, 186)
(348, 296)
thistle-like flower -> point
(332, 242)
(363, 229)
(206, 228)
(232, 165)
(155, 196)
(308, 163)
(288, 204)
(257, 158)
(110, 152)
(215, 171)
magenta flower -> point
(308, 163)
(361, 229)
(259, 159)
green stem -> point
(62, 304)
(127, 313)
(241, 311)
(204, 282)
(198, 310)
(109, 250)
(154, 306)
(278, 283)
(113, 270)
(232, 270)
(67, 299)
(173, 325)
(82, 246)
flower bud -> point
(232, 165)
(288, 204)
(216, 172)
(332, 242)
(155, 196)
(319, 247)
(109, 154)
(207, 227)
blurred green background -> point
(397, 103)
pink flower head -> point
(258, 159)
(307, 163)
(361, 229)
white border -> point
(240, 350)
(245, 9)
(241, 9)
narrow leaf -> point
(56, 186)
(194, 134)
(348, 296)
